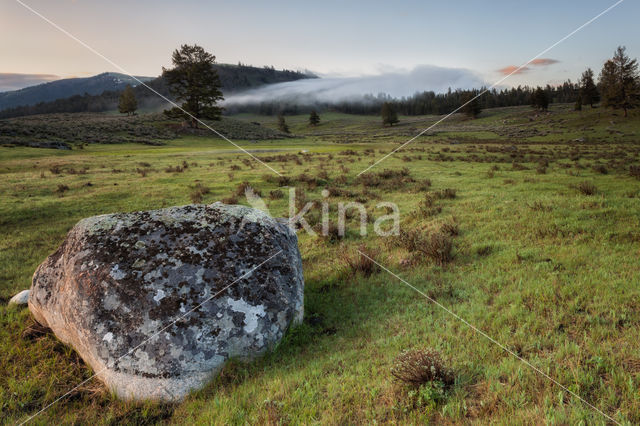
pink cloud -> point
(512, 69)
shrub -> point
(356, 263)
(242, 188)
(420, 366)
(61, 189)
(447, 193)
(600, 168)
(427, 206)
(484, 250)
(230, 200)
(438, 247)
(176, 169)
(540, 206)
(198, 192)
(276, 194)
(587, 188)
(450, 228)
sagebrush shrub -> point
(587, 188)
(356, 263)
(420, 366)
(198, 192)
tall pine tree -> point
(471, 104)
(194, 82)
(389, 115)
(619, 82)
(127, 103)
(282, 125)
(314, 118)
(588, 90)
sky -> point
(331, 38)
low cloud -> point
(339, 89)
(14, 81)
(540, 62)
(544, 61)
(512, 69)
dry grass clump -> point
(600, 168)
(276, 194)
(420, 366)
(198, 192)
(427, 206)
(634, 171)
(242, 188)
(447, 193)
(61, 189)
(436, 246)
(539, 206)
(230, 200)
(450, 228)
(356, 263)
(587, 188)
(176, 169)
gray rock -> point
(20, 298)
(116, 284)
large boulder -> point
(156, 302)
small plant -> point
(198, 192)
(276, 194)
(421, 366)
(360, 261)
(241, 189)
(427, 206)
(587, 188)
(61, 189)
(438, 247)
(540, 206)
(448, 193)
(450, 228)
(484, 250)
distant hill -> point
(100, 93)
(67, 87)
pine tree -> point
(195, 82)
(471, 104)
(540, 99)
(389, 116)
(314, 118)
(578, 105)
(588, 89)
(619, 82)
(282, 125)
(127, 103)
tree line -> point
(617, 87)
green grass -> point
(551, 273)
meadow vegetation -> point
(524, 223)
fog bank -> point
(339, 89)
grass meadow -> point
(526, 225)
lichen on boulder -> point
(116, 286)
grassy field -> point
(542, 213)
